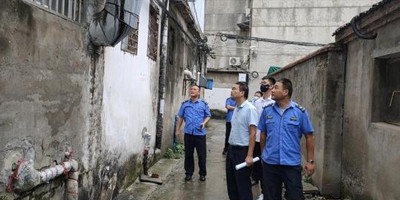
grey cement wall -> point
(223, 16)
(226, 80)
(304, 21)
(51, 98)
(50, 89)
(318, 86)
(371, 153)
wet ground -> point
(172, 173)
(214, 187)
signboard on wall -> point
(242, 77)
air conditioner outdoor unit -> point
(235, 61)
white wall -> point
(128, 97)
(216, 97)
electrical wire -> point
(225, 36)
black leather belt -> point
(236, 147)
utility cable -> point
(226, 36)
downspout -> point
(163, 75)
(114, 22)
(250, 59)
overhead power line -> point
(225, 36)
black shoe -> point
(188, 177)
(202, 178)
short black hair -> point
(243, 88)
(270, 78)
(259, 92)
(195, 85)
(287, 84)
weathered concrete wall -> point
(318, 85)
(223, 16)
(50, 89)
(304, 21)
(371, 153)
(129, 109)
(51, 86)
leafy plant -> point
(176, 152)
(307, 179)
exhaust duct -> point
(114, 22)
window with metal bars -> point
(130, 43)
(71, 9)
(152, 45)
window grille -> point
(152, 46)
(130, 43)
(70, 9)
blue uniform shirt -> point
(229, 102)
(284, 132)
(193, 113)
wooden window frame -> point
(152, 44)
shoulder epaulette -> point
(300, 108)
(185, 101)
(205, 102)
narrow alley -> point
(91, 92)
(175, 187)
(214, 187)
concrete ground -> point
(172, 174)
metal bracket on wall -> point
(391, 99)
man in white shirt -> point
(241, 144)
(266, 85)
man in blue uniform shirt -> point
(195, 113)
(230, 106)
(241, 144)
(282, 125)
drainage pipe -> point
(163, 74)
(25, 177)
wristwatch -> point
(310, 161)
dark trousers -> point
(198, 142)
(274, 175)
(256, 174)
(228, 127)
(238, 181)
